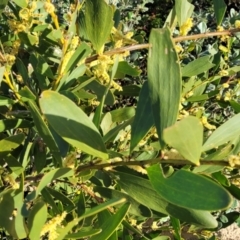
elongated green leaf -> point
(21, 3)
(124, 68)
(183, 188)
(72, 124)
(104, 216)
(10, 143)
(13, 164)
(7, 124)
(226, 132)
(197, 66)
(122, 114)
(37, 219)
(64, 231)
(235, 106)
(141, 190)
(143, 119)
(129, 90)
(44, 132)
(62, 198)
(219, 10)
(103, 206)
(99, 22)
(111, 224)
(136, 208)
(13, 223)
(99, 90)
(164, 80)
(80, 53)
(184, 10)
(4, 101)
(83, 233)
(49, 200)
(187, 137)
(22, 70)
(114, 132)
(75, 74)
(54, 174)
(2, 7)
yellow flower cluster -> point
(234, 160)
(206, 124)
(186, 27)
(26, 19)
(223, 38)
(72, 47)
(51, 226)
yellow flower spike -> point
(51, 226)
(186, 27)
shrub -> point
(96, 145)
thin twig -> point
(176, 39)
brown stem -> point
(150, 161)
(176, 39)
(176, 162)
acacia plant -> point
(77, 165)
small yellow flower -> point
(129, 35)
(218, 97)
(189, 94)
(227, 96)
(223, 73)
(178, 48)
(223, 49)
(49, 7)
(33, 6)
(234, 160)
(25, 14)
(21, 28)
(186, 27)
(237, 24)
(220, 28)
(225, 85)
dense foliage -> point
(119, 119)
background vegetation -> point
(119, 119)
